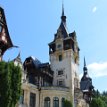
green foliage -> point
(96, 94)
(97, 103)
(99, 100)
(104, 93)
(10, 84)
(67, 103)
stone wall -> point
(42, 93)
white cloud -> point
(94, 9)
(97, 69)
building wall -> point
(50, 92)
(68, 66)
(65, 65)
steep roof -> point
(35, 61)
(86, 81)
(4, 30)
(63, 28)
(85, 70)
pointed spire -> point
(62, 8)
(85, 67)
(84, 62)
(63, 17)
(18, 55)
(18, 58)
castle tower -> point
(5, 41)
(64, 56)
(86, 84)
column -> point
(51, 101)
(26, 97)
(37, 98)
(60, 100)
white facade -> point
(67, 65)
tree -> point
(99, 100)
(104, 96)
(10, 84)
(104, 93)
(67, 103)
(97, 103)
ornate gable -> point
(5, 40)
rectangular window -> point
(60, 72)
(60, 57)
(60, 83)
(32, 99)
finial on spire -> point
(62, 8)
(63, 17)
(84, 68)
(18, 55)
(84, 62)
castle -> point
(51, 84)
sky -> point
(33, 23)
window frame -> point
(60, 72)
(32, 102)
(55, 102)
(63, 102)
(47, 102)
(60, 57)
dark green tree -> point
(10, 84)
(97, 103)
(99, 100)
(104, 93)
(68, 103)
(104, 96)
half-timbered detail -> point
(5, 41)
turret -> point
(64, 56)
(86, 84)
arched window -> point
(55, 102)
(47, 102)
(62, 102)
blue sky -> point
(33, 23)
